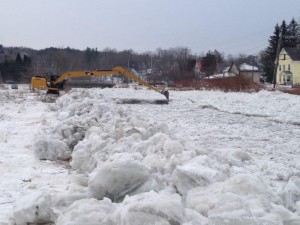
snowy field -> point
(207, 158)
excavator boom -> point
(122, 71)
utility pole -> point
(277, 56)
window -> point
(289, 67)
(283, 67)
(279, 67)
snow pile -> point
(72, 126)
(135, 170)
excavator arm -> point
(122, 71)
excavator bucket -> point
(165, 93)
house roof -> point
(247, 67)
(234, 69)
(242, 68)
(293, 52)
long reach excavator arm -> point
(54, 86)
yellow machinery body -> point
(57, 84)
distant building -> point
(288, 71)
(198, 69)
(249, 71)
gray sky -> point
(230, 26)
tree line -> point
(20, 64)
(15, 65)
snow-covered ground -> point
(207, 157)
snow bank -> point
(136, 170)
(75, 118)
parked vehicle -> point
(14, 86)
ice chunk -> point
(60, 201)
(172, 147)
(291, 193)
(116, 179)
(33, 208)
(88, 211)
(239, 200)
(51, 149)
(200, 171)
(41, 207)
(286, 216)
(150, 208)
(241, 155)
(153, 183)
(194, 218)
(236, 220)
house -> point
(288, 70)
(233, 70)
(249, 71)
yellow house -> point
(288, 71)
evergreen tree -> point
(292, 34)
(27, 60)
(284, 34)
(91, 55)
(209, 63)
(18, 68)
(19, 59)
(269, 55)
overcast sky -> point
(230, 26)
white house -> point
(288, 71)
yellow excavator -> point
(56, 84)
